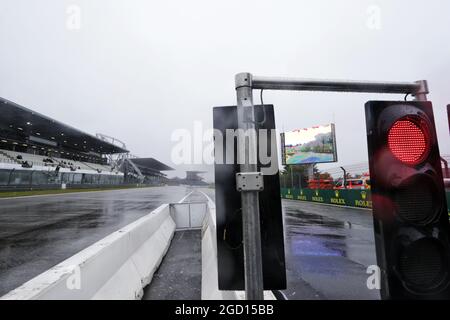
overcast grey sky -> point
(139, 69)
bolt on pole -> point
(254, 289)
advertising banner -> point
(343, 197)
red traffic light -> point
(408, 140)
(408, 197)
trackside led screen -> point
(309, 145)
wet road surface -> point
(179, 276)
(37, 233)
(328, 250)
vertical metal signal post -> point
(245, 83)
(249, 198)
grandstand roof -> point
(151, 163)
(30, 123)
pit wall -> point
(343, 197)
(116, 267)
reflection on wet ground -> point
(323, 240)
(37, 233)
(328, 250)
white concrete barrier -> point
(210, 277)
(188, 215)
(116, 267)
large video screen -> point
(310, 145)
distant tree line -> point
(323, 143)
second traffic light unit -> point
(411, 222)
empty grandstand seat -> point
(9, 156)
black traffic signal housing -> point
(230, 253)
(448, 116)
(411, 222)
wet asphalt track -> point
(37, 233)
(328, 250)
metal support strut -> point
(418, 89)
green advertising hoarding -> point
(342, 197)
(351, 198)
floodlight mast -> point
(244, 84)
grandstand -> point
(193, 178)
(39, 152)
(145, 170)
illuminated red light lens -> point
(407, 141)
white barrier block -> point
(149, 256)
(180, 213)
(116, 267)
(125, 284)
(198, 213)
(210, 275)
(210, 280)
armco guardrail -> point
(116, 267)
(343, 197)
(210, 280)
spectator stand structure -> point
(38, 152)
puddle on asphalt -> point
(312, 245)
(314, 235)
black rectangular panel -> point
(283, 149)
(229, 216)
(448, 116)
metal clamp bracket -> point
(249, 181)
